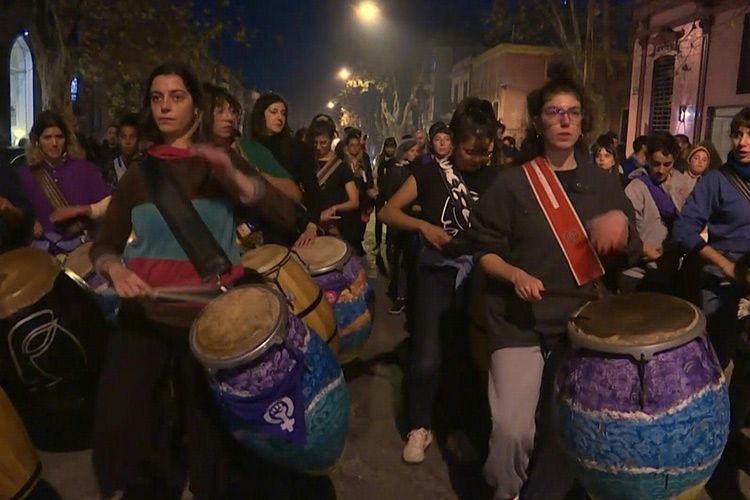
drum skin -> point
(20, 468)
(353, 299)
(668, 448)
(50, 357)
(326, 401)
(302, 292)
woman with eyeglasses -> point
(515, 238)
(446, 190)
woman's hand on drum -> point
(126, 283)
(308, 237)
(435, 236)
(70, 212)
(527, 286)
(38, 230)
(609, 232)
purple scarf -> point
(664, 203)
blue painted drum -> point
(641, 403)
(279, 386)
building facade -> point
(691, 68)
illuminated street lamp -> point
(344, 74)
(331, 105)
(368, 11)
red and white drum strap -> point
(564, 222)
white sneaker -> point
(418, 441)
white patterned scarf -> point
(457, 190)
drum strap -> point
(563, 221)
(741, 186)
(199, 244)
(328, 170)
(54, 196)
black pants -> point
(401, 261)
(438, 323)
(157, 424)
(379, 203)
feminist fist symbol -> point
(280, 413)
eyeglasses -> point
(575, 115)
(478, 155)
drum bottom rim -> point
(36, 476)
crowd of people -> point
(460, 215)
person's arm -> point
(351, 204)
(694, 217)
(248, 186)
(392, 214)
(288, 187)
(635, 193)
(94, 211)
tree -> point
(115, 45)
(588, 36)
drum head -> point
(239, 326)
(324, 255)
(265, 258)
(26, 275)
(79, 261)
(636, 324)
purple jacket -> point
(79, 181)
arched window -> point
(21, 90)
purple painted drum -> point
(641, 402)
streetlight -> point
(331, 105)
(344, 74)
(368, 11)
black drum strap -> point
(199, 244)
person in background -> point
(446, 192)
(518, 249)
(720, 201)
(67, 193)
(681, 163)
(657, 198)
(269, 126)
(84, 147)
(340, 213)
(358, 163)
(128, 140)
(386, 154)
(300, 134)
(605, 157)
(16, 212)
(422, 139)
(698, 160)
(441, 144)
(109, 148)
(636, 164)
(399, 243)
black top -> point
(364, 182)
(298, 159)
(509, 222)
(334, 190)
(433, 196)
(14, 231)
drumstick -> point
(570, 294)
(170, 296)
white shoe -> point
(418, 441)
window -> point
(743, 75)
(662, 88)
(21, 91)
(74, 89)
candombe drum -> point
(282, 272)
(344, 283)
(641, 401)
(20, 468)
(78, 265)
(281, 392)
(52, 335)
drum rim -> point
(268, 268)
(17, 305)
(581, 340)
(277, 336)
(338, 265)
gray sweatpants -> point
(517, 378)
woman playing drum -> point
(153, 390)
(525, 248)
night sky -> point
(299, 45)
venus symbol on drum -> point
(641, 402)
